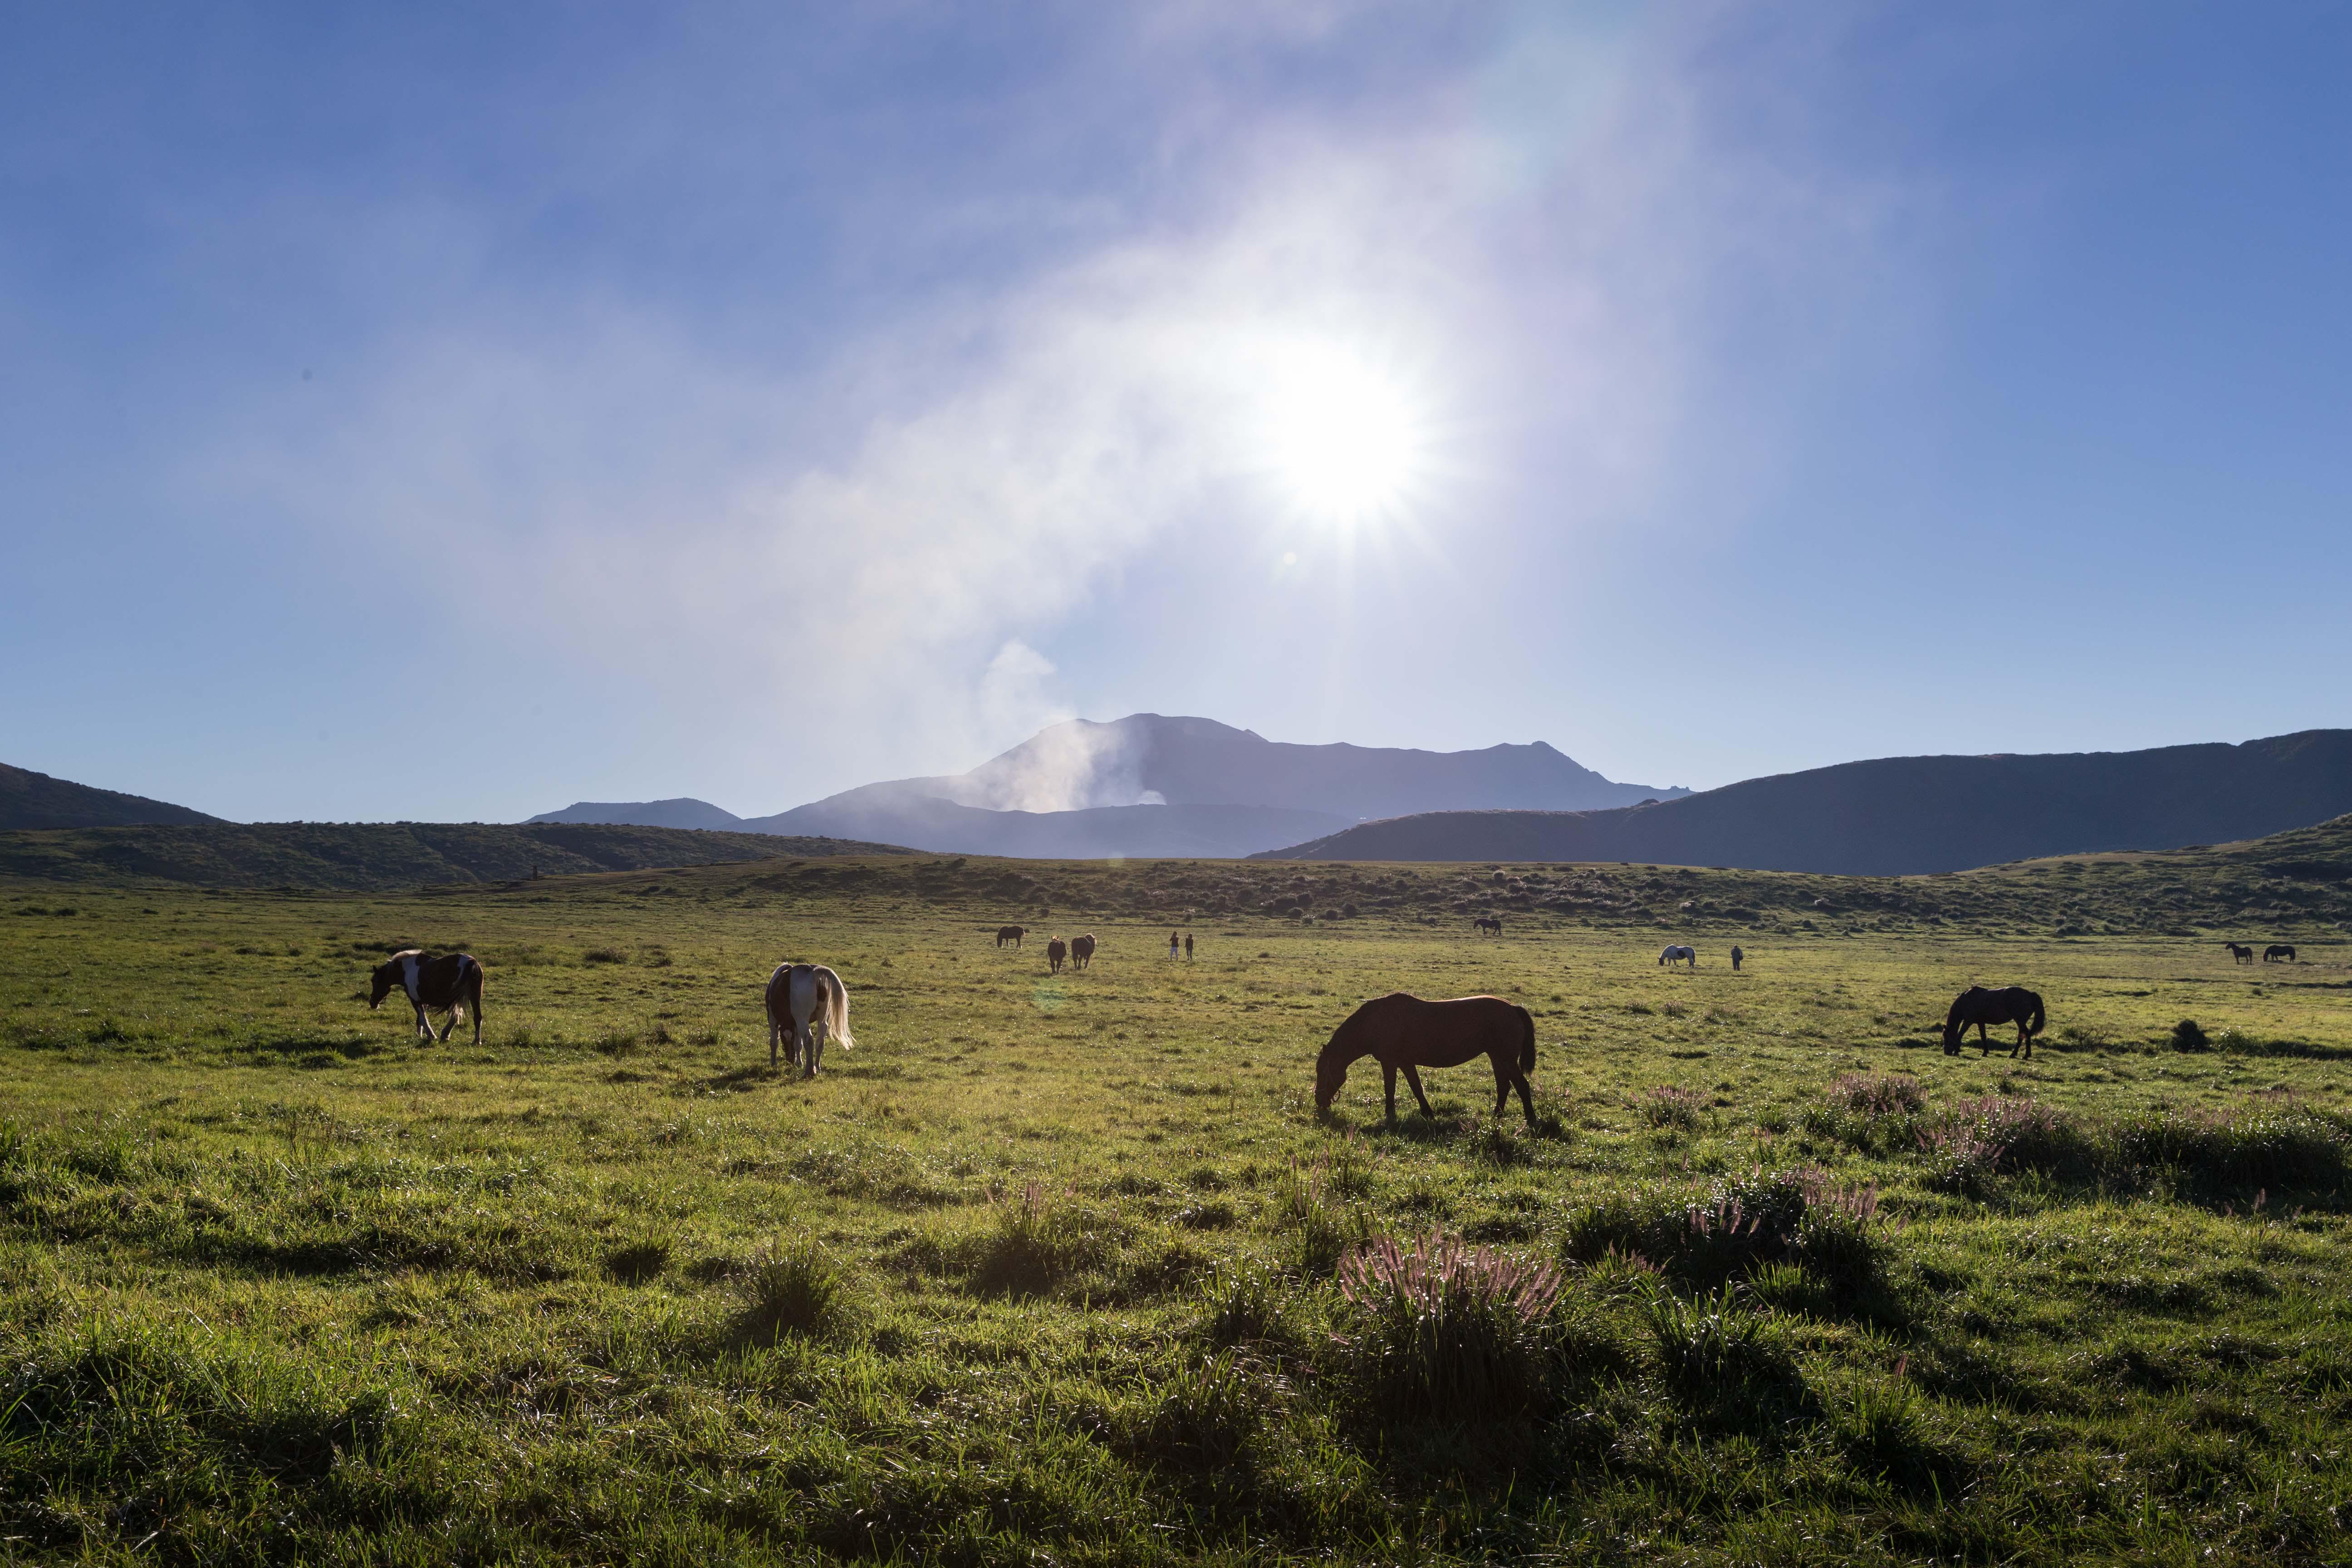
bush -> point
(1245, 1303)
(1872, 1111)
(2187, 1036)
(1744, 1224)
(634, 1263)
(1716, 1345)
(1445, 1332)
(1308, 1199)
(1979, 1138)
(1034, 1241)
(798, 1290)
(1667, 1106)
(1204, 1420)
(2272, 1141)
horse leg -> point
(1388, 1079)
(1413, 1079)
(424, 1024)
(449, 1024)
(815, 1045)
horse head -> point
(387, 975)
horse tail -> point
(2034, 1025)
(474, 985)
(1527, 1041)
(836, 1011)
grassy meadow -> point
(1066, 1269)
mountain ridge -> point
(1081, 788)
(30, 800)
(1906, 815)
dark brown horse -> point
(1054, 953)
(2279, 950)
(1404, 1033)
(1012, 935)
(2240, 953)
(2009, 1004)
(1488, 924)
(1082, 950)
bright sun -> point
(1348, 442)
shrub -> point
(2271, 1142)
(1880, 1428)
(1667, 1106)
(1744, 1224)
(1977, 1138)
(2187, 1036)
(1308, 1199)
(1716, 1345)
(604, 955)
(1245, 1303)
(797, 1291)
(1034, 1241)
(1446, 1331)
(634, 1263)
(1204, 1420)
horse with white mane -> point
(1689, 955)
(805, 1002)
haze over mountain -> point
(28, 799)
(1155, 785)
(1897, 815)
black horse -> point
(2009, 1004)
(2278, 951)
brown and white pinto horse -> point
(805, 1002)
(1402, 1032)
(1082, 950)
(452, 980)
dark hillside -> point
(1901, 815)
(381, 856)
(29, 800)
(2294, 886)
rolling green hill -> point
(381, 856)
(31, 800)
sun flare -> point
(1347, 441)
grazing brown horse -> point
(452, 980)
(1054, 953)
(1012, 935)
(805, 1002)
(1082, 950)
(1404, 1033)
(2009, 1004)
(2237, 953)
(1488, 924)
(2278, 950)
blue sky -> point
(453, 413)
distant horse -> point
(1082, 950)
(2009, 1004)
(1667, 955)
(1012, 935)
(452, 980)
(1738, 958)
(806, 1002)
(1488, 924)
(1404, 1032)
(2240, 955)
(1054, 953)
(2278, 950)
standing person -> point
(1171, 944)
(1736, 956)
(1188, 947)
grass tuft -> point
(1447, 1332)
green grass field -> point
(1049, 1269)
